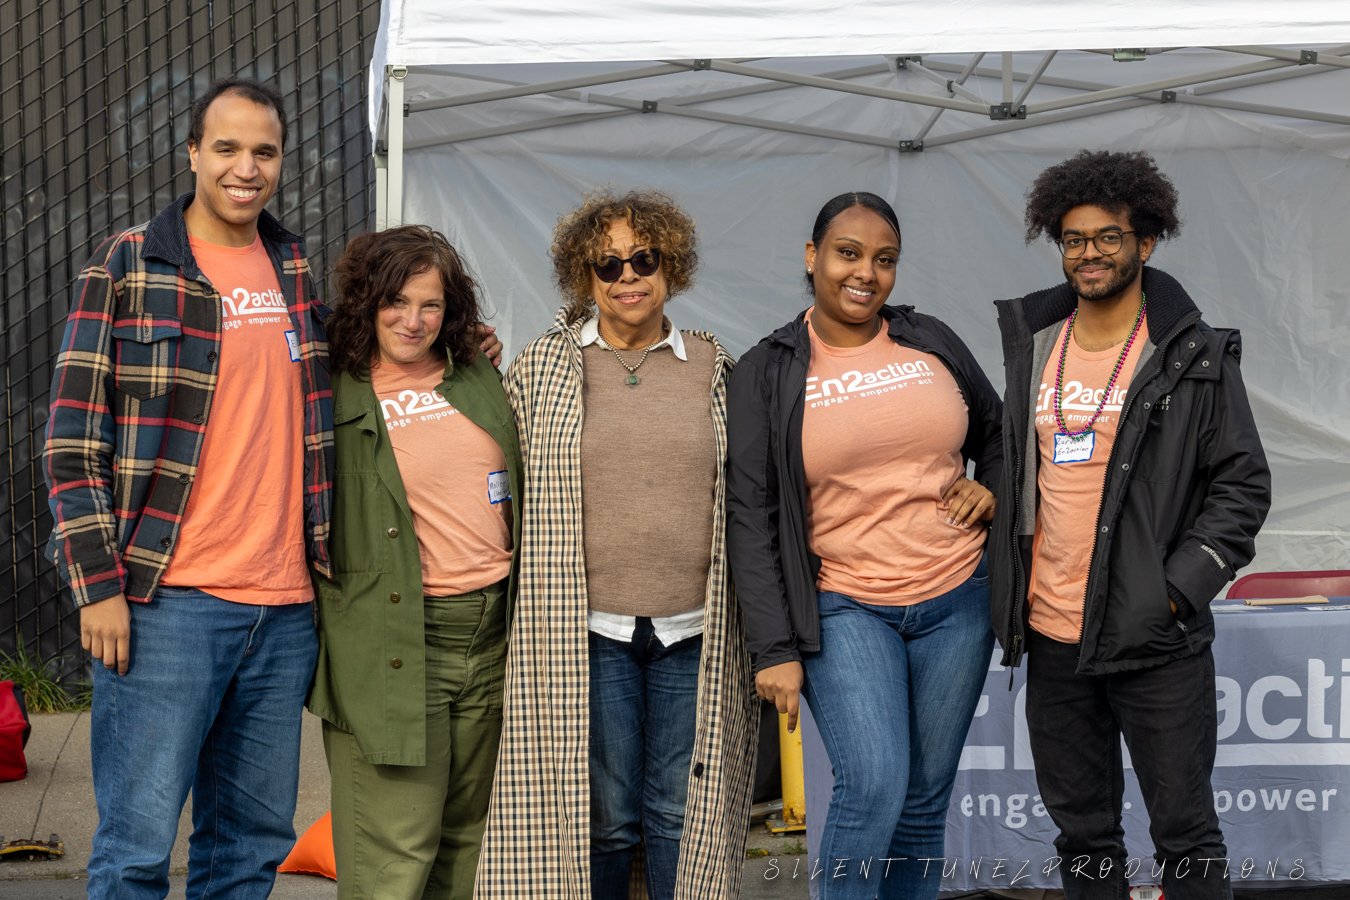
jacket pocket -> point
(366, 523)
(145, 354)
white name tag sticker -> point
(499, 487)
(293, 345)
(1072, 448)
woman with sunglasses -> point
(413, 625)
(628, 704)
(857, 545)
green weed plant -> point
(41, 691)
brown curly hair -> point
(579, 239)
(368, 277)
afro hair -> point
(1119, 182)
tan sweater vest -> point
(648, 472)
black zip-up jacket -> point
(771, 563)
(1187, 486)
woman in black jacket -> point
(857, 544)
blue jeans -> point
(893, 690)
(212, 703)
(644, 705)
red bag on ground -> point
(14, 731)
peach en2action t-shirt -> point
(242, 537)
(1070, 489)
(882, 431)
(455, 478)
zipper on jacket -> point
(1019, 592)
(1110, 459)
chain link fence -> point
(94, 107)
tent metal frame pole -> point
(1047, 119)
(1164, 84)
(708, 115)
(710, 96)
(627, 106)
(632, 107)
(1302, 57)
(937, 113)
(1268, 77)
(393, 210)
(1236, 105)
(831, 84)
(478, 134)
(1034, 78)
(1284, 112)
(1096, 97)
(381, 188)
(547, 87)
(950, 85)
(1007, 78)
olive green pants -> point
(405, 832)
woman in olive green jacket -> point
(413, 627)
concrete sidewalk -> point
(57, 797)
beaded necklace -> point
(1115, 372)
(633, 380)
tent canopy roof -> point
(495, 69)
(419, 33)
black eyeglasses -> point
(1107, 243)
(644, 262)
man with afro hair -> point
(1133, 490)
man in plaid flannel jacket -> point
(189, 460)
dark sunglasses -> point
(610, 269)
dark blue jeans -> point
(893, 690)
(212, 703)
(1168, 718)
(644, 706)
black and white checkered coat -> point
(537, 840)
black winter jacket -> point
(1187, 485)
(771, 563)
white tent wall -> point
(1264, 247)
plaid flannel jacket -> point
(131, 396)
(537, 838)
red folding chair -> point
(1267, 585)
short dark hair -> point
(836, 205)
(1123, 183)
(260, 93)
(369, 276)
(580, 237)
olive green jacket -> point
(371, 675)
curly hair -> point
(368, 277)
(580, 237)
(1119, 182)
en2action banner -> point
(1281, 780)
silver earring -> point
(810, 270)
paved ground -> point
(57, 797)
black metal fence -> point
(94, 106)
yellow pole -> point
(794, 780)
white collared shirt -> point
(590, 334)
(669, 629)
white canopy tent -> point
(752, 115)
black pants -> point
(1168, 717)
